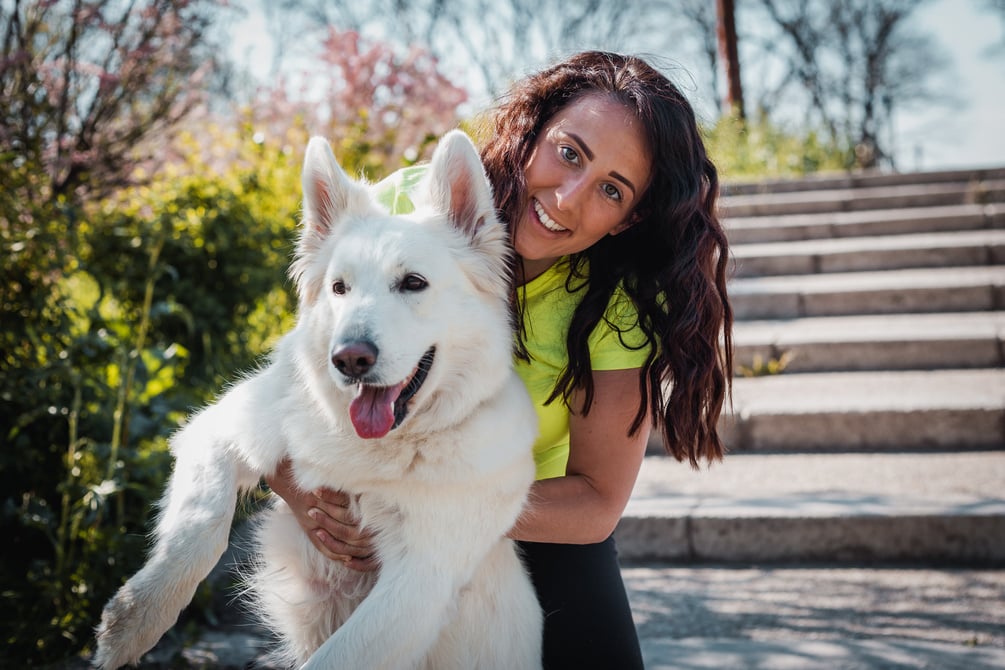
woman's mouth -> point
(546, 220)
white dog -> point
(395, 385)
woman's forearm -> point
(567, 510)
(586, 504)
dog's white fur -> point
(441, 490)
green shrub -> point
(759, 148)
(120, 318)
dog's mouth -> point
(376, 410)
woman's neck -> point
(532, 269)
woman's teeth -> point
(547, 220)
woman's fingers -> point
(332, 497)
(339, 520)
(326, 516)
(355, 556)
(337, 531)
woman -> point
(620, 295)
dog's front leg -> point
(427, 556)
(395, 626)
(191, 534)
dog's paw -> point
(130, 626)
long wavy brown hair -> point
(671, 262)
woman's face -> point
(587, 170)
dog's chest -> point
(344, 461)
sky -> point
(971, 134)
(967, 132)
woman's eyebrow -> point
(585, 148)
(582, 145)
(624, 180)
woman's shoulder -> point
(618, 341)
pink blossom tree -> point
(380, 107)
(87, 84)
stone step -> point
(882, 292)
(834, 508)
(873, 342)
(835, 181)
(886, 252)
(862, 411)
(859, 199)
(879, 411)
(744, 230)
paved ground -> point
(762, 617)
(809, 618)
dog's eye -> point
(413, 282)
(338, 287)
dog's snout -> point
(355, 358)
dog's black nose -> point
(355, 358)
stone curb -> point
(861, 179)
(860, 199)
(859, 411)
(915, 290)
(886, 252)
(799, 227)
(874, 342)
(847, 508)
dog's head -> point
(410, 312)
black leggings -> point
(587, 619)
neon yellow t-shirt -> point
(548, 310)
(617, 343)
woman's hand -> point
(326, 517)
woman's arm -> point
(585, 505)
(326, 518)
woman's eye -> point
(338, 287)
(569, 154)
(414, 282)
(612, 192)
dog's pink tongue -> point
(372, 410)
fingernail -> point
(313, 513)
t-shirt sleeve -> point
(397, 189)
(618, 342)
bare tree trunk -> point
(730, 56)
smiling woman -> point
(620, 305)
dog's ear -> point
(329, 195)
(457, 183)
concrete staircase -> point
(881, 300)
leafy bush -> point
(758, 149)
(122, 317)
(122, 314)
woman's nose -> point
(568, 193)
